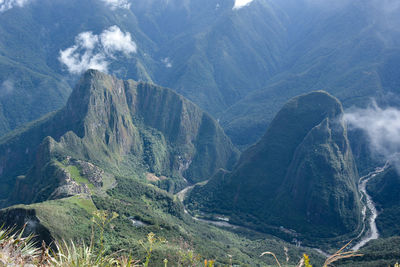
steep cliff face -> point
(319, 186)
(301, 175)
(201, 147)
(123, 127)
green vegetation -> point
(76, 175)
(147, 129)
(136, 140)
(112, 160)
(301, 175)
(18, 250)
(385, 191)
(54, 215)
(205, 49)
(160, 213)
(343, 55)
(241, 66)
(84, 203)
(380, 252)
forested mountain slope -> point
(301, 175)
(112, 127)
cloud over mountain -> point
(241, 3)
(6, 87)
(9, 4)
(114, 4)
(92, 51)
(113, 39)
(382, 127)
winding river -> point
(372, 233)
(365, 235)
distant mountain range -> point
(239, 65)
(347, 48)
(195, 47)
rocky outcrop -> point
(68, 187)
(93, 173)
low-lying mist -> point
(382, 127)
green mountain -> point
(298, 181)
(218, 55)
(239, 65)
(385, 192)
(112, 127)
(110, 148)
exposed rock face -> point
(123, 127)
(68, 187)
(93, 173)
(19, 217)
(301, 175)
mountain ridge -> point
(116, 125)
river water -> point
(366, 199)
(371, 234)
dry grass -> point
(272, 254)
(305, 261)
(16, 250)
(341, 254)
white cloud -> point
(78, 63)
(114, 40)
(114, 4)
(382, 127)
(92, 51)
(87, 40)
(241, 3)
(167, 62)
(9, 4)
(7, 87)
